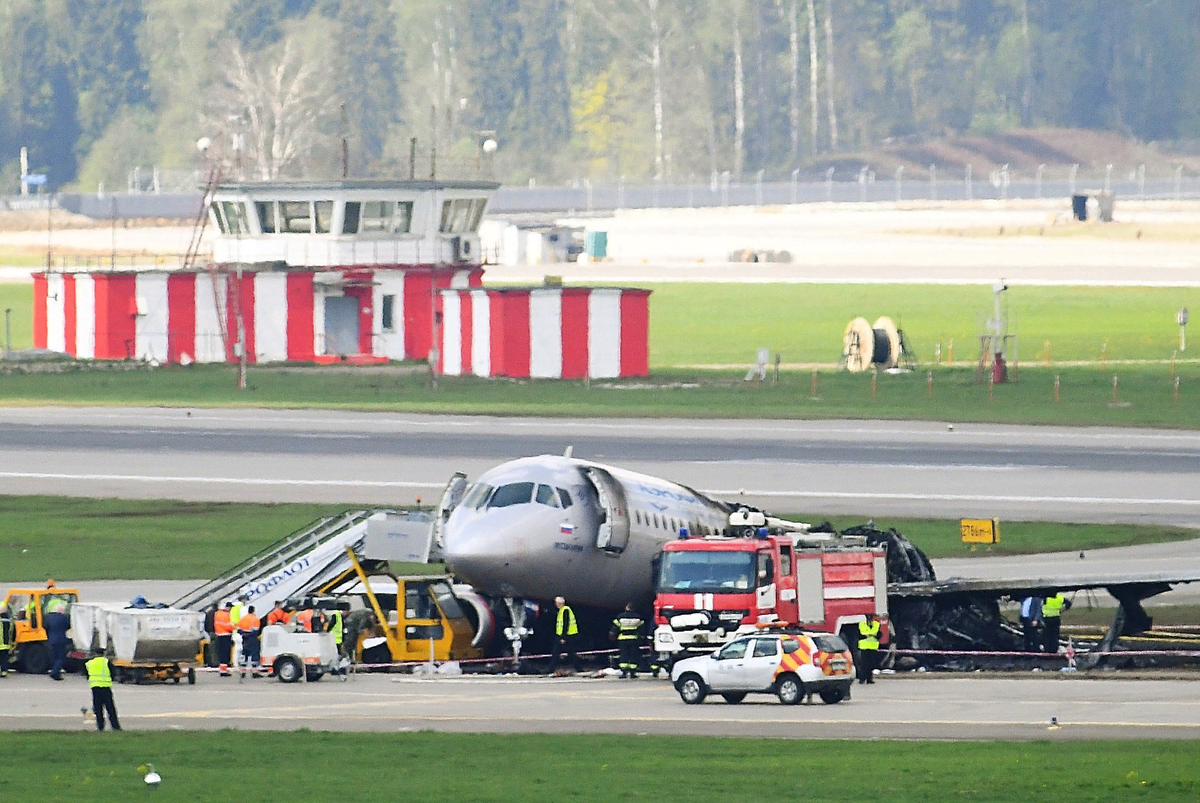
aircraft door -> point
(451, 497)
(612, 536)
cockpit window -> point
(517, 493)
(545, 496)
(477, 495)
(564, 497)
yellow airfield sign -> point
(980, 531)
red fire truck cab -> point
(711, 588)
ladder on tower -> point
(348, 528)
(211, 182)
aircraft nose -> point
(477, 550)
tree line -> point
(640, 90)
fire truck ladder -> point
(350, 526)
(212, 181)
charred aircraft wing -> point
(963, 613)
(1151, 583)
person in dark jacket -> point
(58, 622)
(627, 632)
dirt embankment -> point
(1022, 150)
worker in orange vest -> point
(250, 626)
(223, 627)
(304, 619)
(277, 616)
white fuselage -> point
(542, 549)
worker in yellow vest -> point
(337, 628)
(566, 633)
(8, 639)
(1052, 610)
(868, 648)
(100, 679)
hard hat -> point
(50, 583)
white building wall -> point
(545, 333)
(56, 311)
(451, 334)
(209, 346)
(604, 333)
(324, 284)
(390, 344)
(270, 317)
(481, 333)
(85, 316)
(150, 341)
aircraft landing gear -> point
(517, 632)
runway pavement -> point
(897, 707)
(878, 469)
(821, 468)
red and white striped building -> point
(358, 271)
(558, 332)
(172, 316)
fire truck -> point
(713, 588)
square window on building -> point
(350, 217)
(376, 216)
(387, 319)
(295, 217)
(235, 217)
(266, 216)
(402, 222)
(323, 216)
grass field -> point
(723, 324)
(315, 766)
(1145, 395)
(73, 539)
(19, 299)
(112, 539)
(726, 324)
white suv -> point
(791, 665)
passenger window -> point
(418, 603)
(765, 569)
(790, 645)
(765, 647)
(785, 561)
(656, 524)
(545, 496)
(564, 497)
(477, 494)
(518, 493)
(736, 649)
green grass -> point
(1145, 394)
(707, 324)
(18, 298)
(940, 538)
(513, 767)
(74, 539)
(726, 323)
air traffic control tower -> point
(303, 271)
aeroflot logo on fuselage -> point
(259, 589)
(668, 493)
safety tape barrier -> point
(402, 664)
(1078, 652)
